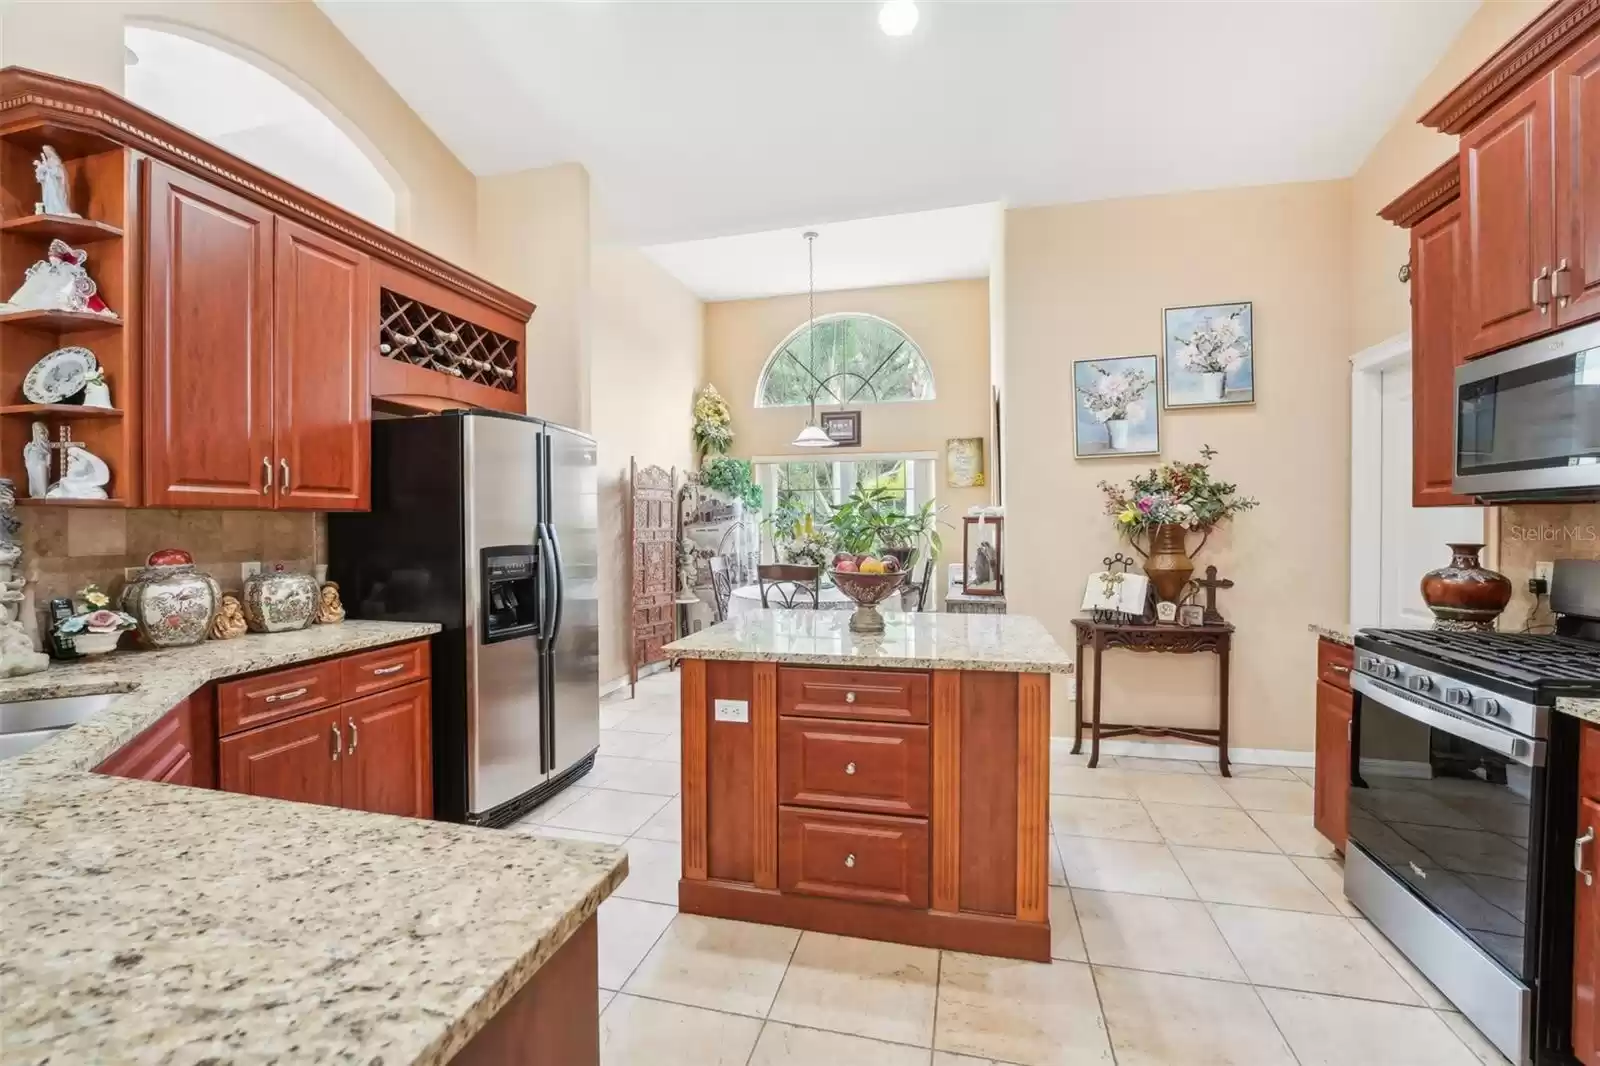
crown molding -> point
(1442, 185)
(1526, 56)
(30, 98)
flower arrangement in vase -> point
(1162, 506)
(96, 629)
(713, 423)
(1115, 400)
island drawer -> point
(860, 695)
(254, 701)
(873, 767)
(384, 668)
(1334, 662)
(864, 858)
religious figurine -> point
(36, 458)
(52, 177)
(16, 647)
(330, 611)
(229, 622)
(59, 282)
(17, 656)
(84, 478)
(985, 572)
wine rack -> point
(410, 331)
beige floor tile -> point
(1328, 875)
(1149, 933)
(613, 714)
(651, 720)
(1250, 878)
(1268, 773)
(1066, 941)
(1331, 1031)
(1158, 1019)
(1256, 794)
(1159, 766)
(945, 1058)
(1022, 1012)
(710, 962)
(1109, 819)
(628, 745)
(654, 776)
(1058, 872)
(643, 1032)
(629, 928)
(1104, 782)
(1123, 866)
(669, 748)
(1309, 952)
(557, 833)
(1193, 790)
(667, 823)
(862, 987)
(786, 1045)
(606, 996)
(1476, 1042)
(1209, 827)
(1294, 834)
(1308, 774)
(608, 811)
(553, 806)
(1409, 973)
(654, 867)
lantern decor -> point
(983, 568)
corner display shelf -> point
(59, 321)
(31, 501)
(59, 410)
(75, 231)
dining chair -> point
(915, 597)
(790, 585)
(721, 587)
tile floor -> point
(1198, 921)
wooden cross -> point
(59, 448)
(1211, 583)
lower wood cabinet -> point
(180, 748)
(862, 857)
(1335, 707)
(296, 759)
(1586, 905)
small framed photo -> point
(1191, 614)
(1116, 405)
(842, 427)
(1166, 611)
(1209, 356)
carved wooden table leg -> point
(1094, 722)
(1077, 699)
(1224, 652)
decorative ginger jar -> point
(172, 601)
(279, 601)
(1465, 595)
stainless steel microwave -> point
(1527, 420)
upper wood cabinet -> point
(1576, 284)
(1435, 303)
(256, 361)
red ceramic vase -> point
(1465, 594)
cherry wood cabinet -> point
(296, 759)
(179, 749)
(1576, 278)
(1435, 277)
(1335, 706)
(1586, 905)
(388, 749)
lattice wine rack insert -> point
(412, 332)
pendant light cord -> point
(811, 314)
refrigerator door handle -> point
(561, 584)
(549, 593)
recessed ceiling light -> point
(898, 18)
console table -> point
(1157, 637)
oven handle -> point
(1517, 748)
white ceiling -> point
(701, 119)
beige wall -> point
(948, 320)
(1091, 280)
(646, 347)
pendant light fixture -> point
(812, 436)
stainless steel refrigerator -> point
(487, 524)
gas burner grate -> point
(1534, 658)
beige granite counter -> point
(1339, 634)
(1007, 643)
(1588, 710)
(142, 922)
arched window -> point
(845, 358)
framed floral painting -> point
(1210, 357)
(1116, 407)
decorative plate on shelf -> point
(62, 373)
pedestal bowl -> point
(866, 591)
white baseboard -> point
(608, 687)
(1177, 749)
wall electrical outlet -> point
(249, 570)
(1545, 572)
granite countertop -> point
(1339, 634)
(1007, 643)
(157, 923)
(1588, 710)
(953, 594)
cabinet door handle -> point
(1338, 668)
(283, 468)
(850, 768)
(292, 694)
(849, 697)
(355, 736)
(1561, 283)
(850, 860)
(384, 671)
(338, 741)
(266, 475)
(1577, 855)
(1541, 290)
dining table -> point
(746, 599)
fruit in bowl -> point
(845, 564)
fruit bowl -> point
(866, 591)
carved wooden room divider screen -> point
(653, 560)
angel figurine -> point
(58, 282)
(36, 458)
(85, 477)
(52, 178)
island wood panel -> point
(859, 695)
(989, 823)
(764, 771)
(692, 711)
(873, 767)
(553, 1020)
(730, 777)
(1033, 797)
(180, 748)
(870, 858)
(946, 846)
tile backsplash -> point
(68, 548)
(1530, 533)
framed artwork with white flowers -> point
(1116, 404)
(1210, 356)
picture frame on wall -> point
(963, 462)
(842, 427)
(1116, 405)
(1209, 355)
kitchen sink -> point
(27, 724)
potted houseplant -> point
(734, 479)
(1116, 402)
(1162, 506)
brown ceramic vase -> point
(1168, 565)
(1465, 594)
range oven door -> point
(1527, 420)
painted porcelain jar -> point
(279, 601)
(172, 601)
(1465, 595)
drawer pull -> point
(1577, 856)
(850, 860)
(355, 737)
(385, 670)
(1338, 668)
(850, 768)
(292, 694)
(849, 697)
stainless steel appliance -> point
(1463, 786)
(1527, 420)
(487, 524)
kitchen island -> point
(893, 786)
(157, 922)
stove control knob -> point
(1391, 671)
(1491, 708)
(1460, 697)
(1420, 683)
